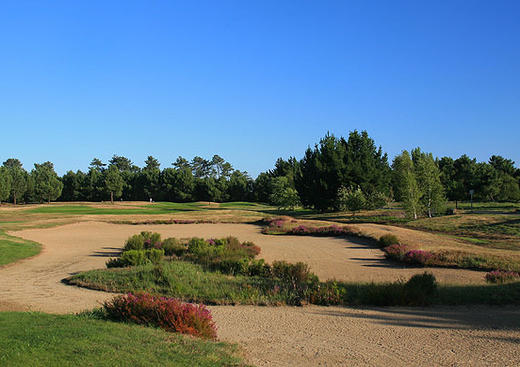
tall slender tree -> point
(429, 182)
(407, 181)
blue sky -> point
(255, 80)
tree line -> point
(337, 173)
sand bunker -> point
(283, 335)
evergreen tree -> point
(321, 173)
(47, 185)
(113, 182)
(5, 184)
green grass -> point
(38, 339)
(157, 208)
(184, 280)
(13, 248)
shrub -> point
(388, 239)
(151, 240)
(259, 268)
(395, 252)
(166, 313)
(295, 279)
(133, 258)
(137, 257)
(291, 273)
(136, 242)
(326, 294)
(173, 246)
(230, 266)
(501, 276)
(154, 255)
(418, 257)
(114, 263)
(421, 289)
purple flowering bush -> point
(502, 276)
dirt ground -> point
(283, 336)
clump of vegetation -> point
(500, 276)
(387, 240)
(137, 257)
(166, 313)
(421, 289)
(396, 252)
(173, 246)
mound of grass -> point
(38, 339)
(187, 281)
(13, 248)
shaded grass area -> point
(14, 248)
(190, 282)
(38, 339)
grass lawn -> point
(13, 248)
(38, 339)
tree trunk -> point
(456, 204)
(14, 199)
(112, 197)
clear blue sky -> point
(255, 80)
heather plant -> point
(501, 276)
(387, 240)
(151, 239)
(326, 294)
(396, 252)
(418, 257)
(166, 313)
(295, 278)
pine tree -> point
(113, 182)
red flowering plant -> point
(169, 314)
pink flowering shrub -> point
(502, 276)
(396, 252)
(418, 257)
(404, 254)
(169, 314)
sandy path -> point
(283, 335)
